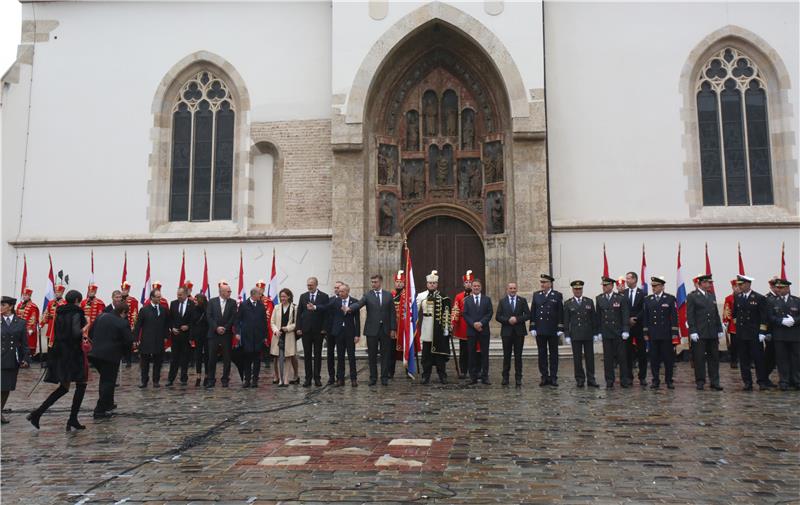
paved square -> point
(487, 444)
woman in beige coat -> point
(283, 334)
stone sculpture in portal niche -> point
(412, 130)
(387, 215)
(387, 164)
(496, 212)
(413, 180)
(430, 113)
(468, 130)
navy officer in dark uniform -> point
(14, 349)
(750, 313)
(547, 326)
(660, 326)
(579, 326)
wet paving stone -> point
(409, 443)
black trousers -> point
(108, 371)
(545, 343)
(751, 352)
(636, 354)
(787, 355)
(251, 366)
(345, 344)
(201, 355)
(391, 359)
(512, 344)
(374, 348)
(583, 350)
(429, 359)
(614, 352)
(387, 345)
(705, 353)
(733, 349)
(769, 357)
(330, 347)
(312, 355)
(661, 351)
(463, 356)
(479, 365)
(181, 351)
(145, 360)
(216, 343)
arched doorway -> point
(448, 245)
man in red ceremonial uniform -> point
(397, 296)
(460, 326)
(133, 311)
(188, 285)
(49, 317)
(730, 324)
(29, 312)
(92, 306)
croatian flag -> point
(146, 282)
(680, 296)
(50, 292)
(241, 291)
(182, 279)
(272, 287)
(643, 275)
(409, 301)
(205, 289)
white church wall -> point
(614, 104)
(95, 81)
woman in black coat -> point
(199, 329)
(67, 360)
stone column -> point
(347, 221)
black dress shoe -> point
(504, 382)
(102, 415)
(354, 383)
(717, 387)
(197, 382)
(254, 384)
(554, 383)
(545, 381)
(486, 382)
(372, 382)
(734, 364)
(113, 407)
(225, 384)
(73, 423)
(318, 383)
(748, 387)
(306, 384)
(169, 384)
(142, 385)
(625, 385)
(340, 383)
(579, 384)
(384, 382)
(783, 387)
(643, 382)
(246, 384)
(594, 385)
(655, 385)
(473, 381)
(670, 385)
(330, 381)
(700, 387)
(609, 385)
(426, 380)
(443, 379)
(297, 381)
(209, 385)
(156, 385)
(518, 384)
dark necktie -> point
(312, 297)
(513, 303)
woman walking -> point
(283, 334)
(67, 361)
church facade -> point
(508, 138)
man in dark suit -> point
(116, 297)
(512, 312)
(477, 313)
(547, 326)
(750, 315)
(111, 340)
(705, 330)
(580, 322)
(330, 342)
(181, 313)
(251, 329)
(151, 331)
(380, 328)
(613, 319)
(635, 348)
(221, 315)
(311, 327)
(660, 327)
(346, 330)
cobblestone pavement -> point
(479, 444)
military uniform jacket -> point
(702, 315)
(547, 312)
(580, 319)
(778, 310)
(14, 346)
(660, 317)
(750, 315)
(434, 307)
(612, 315)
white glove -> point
(762, 337)
(695, 337)
(684, 340)
(720, 335)
(568, 341)
(598, 338)
(625, 335)
(559, 333)
(787, 321)
(725, 325)
(533, 333)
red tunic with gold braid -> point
(399, 316)
(49, 318)
(727, 314)
(459, 324)
(29, 312)
(92, 307)
(133, 310)
(268, 308)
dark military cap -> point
(7, 300)
(658, 279)
(607, 281)
(576, 284)
(704, 277)
(547, 277)
(743, 278)
(782, 283)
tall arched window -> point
(733, 129)
(203, 120)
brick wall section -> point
(304, 149)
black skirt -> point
(8, 379)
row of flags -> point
(272, 286)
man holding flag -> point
(133, 311)
(29, 312)
(52, 302)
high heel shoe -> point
(73, 423)
(34, 417)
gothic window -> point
(203, 120)
(733, 131)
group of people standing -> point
(633, 328)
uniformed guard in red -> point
(49, 317)
(460, 326)
(29, 312)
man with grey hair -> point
(311, 328)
